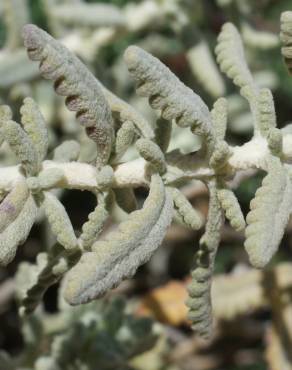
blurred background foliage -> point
(182, 33)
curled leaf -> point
(73, 80)
(166, 92)
(123, 251)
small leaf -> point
(59, 221)
(35, 126)
(152, 153)
(12, 204)
(17, 232)
(21, 145)
(231, 208)
(68, 151)
(190, 217)
(96, 220)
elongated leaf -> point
(12, 204)
(231, 208)
(188, 215)
(17, 232)
(89, 15)
(96, 220)
(59, 221)
(68, 151)
(35, 126)
(199, 302)
(152, 153)
(269, 214)
(166, 92)
(123, 251)
(230, 56)
(204, 68)
(73, 80)
(21, 145)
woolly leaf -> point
(266, 115)
(17, 232)
(15, 16)
(73, 80)
(124, 139)
(187, 213)
(219, 118)
(34, 280)
(12, 204)
(125, 198)
(204, 68)
(269, 214)
(286, 37)
(199, 302)
(89, 15)
(259, 39)
(59, 221)
(275, 141)
(220, 155)
(120, 254)
(21, 145)
(166, 92)
(96, 220)
(231, 208)
(35, 126)
(231, 58)
(68, 151)
(152, 153)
